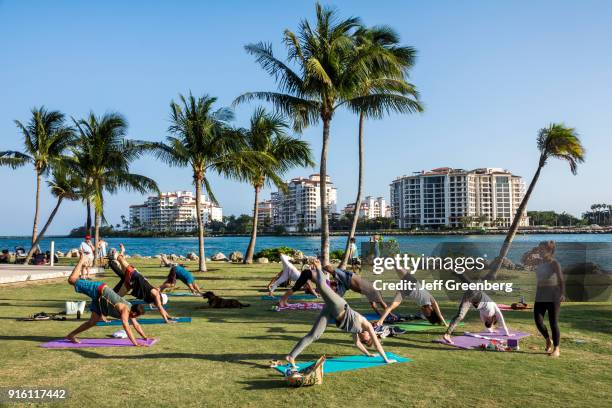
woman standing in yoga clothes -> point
(549, 295)
(346, 319)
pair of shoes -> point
(382, 331)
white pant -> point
(290, 272)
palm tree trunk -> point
(198, 187)
(37, 207)
(88, 220)
(323, 195)
(515, 225)
(359, 193)
(43, 231)
(251, 248)
(97, 219)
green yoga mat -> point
(334, 365)
(145, 321)
(417, 326)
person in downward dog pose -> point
(426, 302)
(134, 283)
(346, 280)
(104, 302)
(489, 313)
(179, 272)
(288, 273)
(304, 279)
(346, 320)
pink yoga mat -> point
(301, 306)
(470, 342)
(63, 343)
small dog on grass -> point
(217, 302)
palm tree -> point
(202, 139)
(101, 158)
(330, 75)
(388, 70)
(45, 138)
(64, 186)
(267, 135)
(555, 141)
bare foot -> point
(447, 338)
(290, 360)
(549, 346)
(73, 339)
(555, 352)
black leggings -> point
(539, 310)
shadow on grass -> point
(36, 339)
(234, 358)
(264, 384)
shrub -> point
(337, 254)
(273, 254)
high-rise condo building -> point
(300, 208)
(457, 198)
(371, 207)
(175, 211)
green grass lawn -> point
(222, 357)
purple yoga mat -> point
(470, 342)
(63, 343)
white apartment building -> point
(300, 208)
(264, 211)
(457, 198)
(174, 211)
(371, 207)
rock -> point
(262, 260)
(298, 256)
(173, 257)
(219, 256)
(157, 256)
(193, 257)
(73, 253)
(236, 256)
(59, 254)
(182, 258)
(136, 256)
(208, 259)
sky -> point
(490, 75)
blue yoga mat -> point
(145, 321)
(333, 365)
(294, 297)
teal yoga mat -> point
(145, 321)
(189, 294)
(294, 297)
(334, 365)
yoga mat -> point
(420, 325)
(333, 365)
(294, 297)
(469, 342)
(145, 321)
(177, 294)
(300, 306)
(63, 343)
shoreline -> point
(529, 231)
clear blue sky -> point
(490, 74)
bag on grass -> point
(308, 376)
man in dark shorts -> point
(104, 302)
(179, 272)
(134, 283)
(306, 276)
